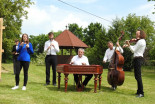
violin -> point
(134, 40)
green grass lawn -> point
(36, 93)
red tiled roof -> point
(68, 39)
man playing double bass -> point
(109, 52)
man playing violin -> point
(138, 51)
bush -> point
(40, 59)
(149, 63)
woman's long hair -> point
(27, 41)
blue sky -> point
(47, 15)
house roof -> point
(67, 40)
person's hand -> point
(52, 45)
(117, 44)
(104, 62)
(72, 62)
(125, 45)
(83, 63)
(27, 45)
(128, 43)
(22, 43)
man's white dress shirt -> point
(109, 53)
(139, 48)
(79, 60)
(52, 50)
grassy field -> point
(36, 93)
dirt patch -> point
(4, 70)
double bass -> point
(116, 74)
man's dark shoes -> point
(46, 84)
(140, 95)
(136, 94)
(54, 84)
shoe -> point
(136, 94)
(114, 88)
(46, 84)
(140, 95)
(15, 87)
(24, 88)
(54, 84)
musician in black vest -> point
(15, 55)
(138, 50)
(51, 48)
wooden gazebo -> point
(67, 40)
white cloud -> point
(145, 10)
(69, 19)
(50, 17)
(53, 8)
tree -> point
(154, 5)
(12, 11)
(131, 24)
(76, 30)
(90, 33)
(96, 53)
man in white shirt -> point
(80, 59)
(109, 52)
(138, 51)
(51, 48)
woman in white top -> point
(138, 50)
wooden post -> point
(1, 50)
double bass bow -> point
(116, 74)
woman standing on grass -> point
(24, 49)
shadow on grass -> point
(70, 88)
(6, 86)
(36, 83)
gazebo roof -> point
(67, 40)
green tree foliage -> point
(96, 37)
(154, 5)
(130, 25)
(76, 30)
(38, 43)
(96, 53)
(90, 33)
(12, 11)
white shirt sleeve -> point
(87, 63)
(135, 47)
(105, 56)
(56, 47)
(45, 46)
(120, 49)
(72, 60)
